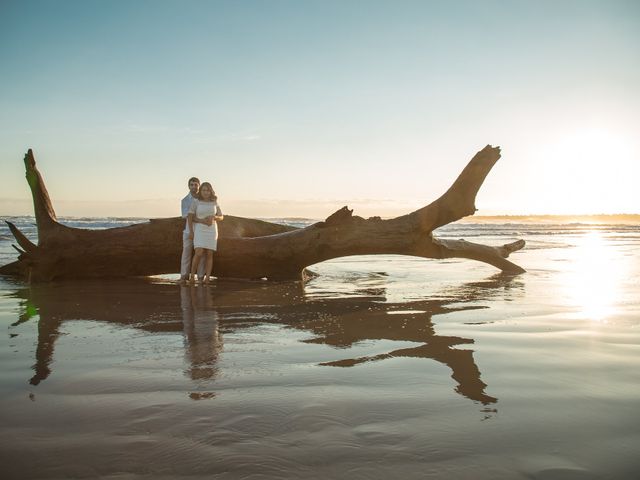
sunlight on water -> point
(596, 278)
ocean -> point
(378, 367)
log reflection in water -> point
(201, 313)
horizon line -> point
(297, 217)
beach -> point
(377, 367)
(369, 166)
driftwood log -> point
(249, 248)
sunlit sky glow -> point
(296, 108)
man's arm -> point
(190, 222)
(186, 207)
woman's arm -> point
(214, 218)
(218, 216)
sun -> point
(589, 171)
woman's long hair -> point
(214, 197)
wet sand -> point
(381, 367)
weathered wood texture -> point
(249, 248)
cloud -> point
(16, 206)
(153, 207)
(262, 208)
(319, 208)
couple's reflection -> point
(202, 339)
(138, 304)
(199, 312)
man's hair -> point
(193, 179)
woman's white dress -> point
(205, 236)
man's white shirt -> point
(186, 204)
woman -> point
(203, 230)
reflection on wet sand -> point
(203, 342)
(202, 313)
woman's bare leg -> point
(194, 264)
(209, 265)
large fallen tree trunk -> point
(250, 248)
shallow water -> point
(379, 367)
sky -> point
(296, 108)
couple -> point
(200, 208)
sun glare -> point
(595, 278)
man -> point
(187, 243)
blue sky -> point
(299, 107)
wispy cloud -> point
(264, 208)
(320, 208)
